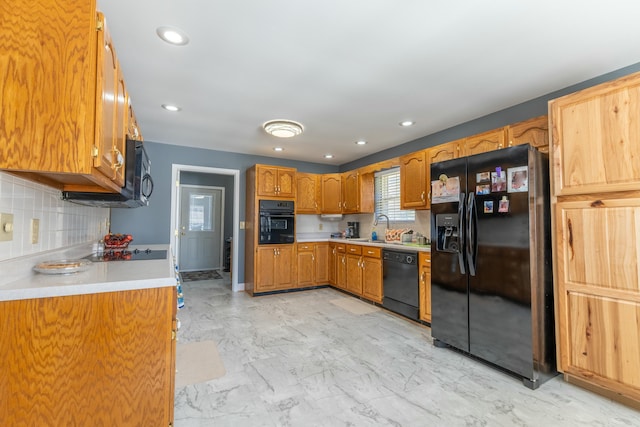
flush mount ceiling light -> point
(328, 156)
(283, 128)
(278, 149)
(407, 123)
(361, 142)
(172, 108)
(172, 35)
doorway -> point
(175, 206)
(201, 226)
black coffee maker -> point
(353, 230)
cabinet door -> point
(267, 177)
(341, 271)
(595, 138)
(286, 183)
(354, 274)
(350, 192)
(308, 193)
(331, 193)
(120, 140)
(285, 267)
(534, 132)
(372, 278)
(413, 181)
(425, 286)
(597, 257)
(106, 105)
(333, 262)
(306, 265)
(321, 263)
(484, 142)
(265, 277)
(440, 153)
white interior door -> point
(200, 227)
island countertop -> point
(100, 277)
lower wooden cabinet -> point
(313, 264)
(597, 292)
(333, 262)
(424, 260)
(87, 360)
(372, 273)
(341, 266)
(275, 268)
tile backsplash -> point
(62, 223)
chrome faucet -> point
(378, 217)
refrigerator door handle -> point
(461, 234)
(472, 220)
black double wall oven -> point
(277, 222)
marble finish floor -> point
(296, 359)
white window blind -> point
(387, 196)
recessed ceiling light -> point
(407, 123)
(278, 149)
(283, 128)
(172, 108)
(361, 142)
(328, 156)
(172, 35)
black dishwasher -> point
(400, 282)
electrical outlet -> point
(6, 227)
(35, 230)
(320, 226)
(242, 225)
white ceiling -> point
(350, 70)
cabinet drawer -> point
(354, 249)
(424, 258)
(341, 247)
(372, 252)
(305, 247)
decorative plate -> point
(63, 266)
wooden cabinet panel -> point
(265, 275)
(322, 263)
(350, 192)
(341, 271)
(598, 243)
(413, 181)
(65, 120)
(285, 267)
(87, 360)
(275, 181)
(331, 193)
(534, 132)
(354, 274)
(308, 193)
(485, 142)
(305, 268)
(333, 262)
(604, 338)
(372, 278)
(596, 138)
(424, 260)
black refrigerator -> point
(491, 281)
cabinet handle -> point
(422, 277)
(313, 258)
(119, 159)
(362, 264)
(422, 196)
(343, 260)
(275, 252)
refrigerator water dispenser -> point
(447, 233)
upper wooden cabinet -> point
(276, 181)
(308, 193)
(484, 142)
(596, 138)
(65, 117)
(331, 193)
(413, 180)
(534, 131)
(439, 153)
(357, 192)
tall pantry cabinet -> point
(595, 150)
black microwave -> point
(138, 183)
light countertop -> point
(365, 242)
(99, 277)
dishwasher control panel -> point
(410, 258)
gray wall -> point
(214, 180)
(151, 224)
(526, 110)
